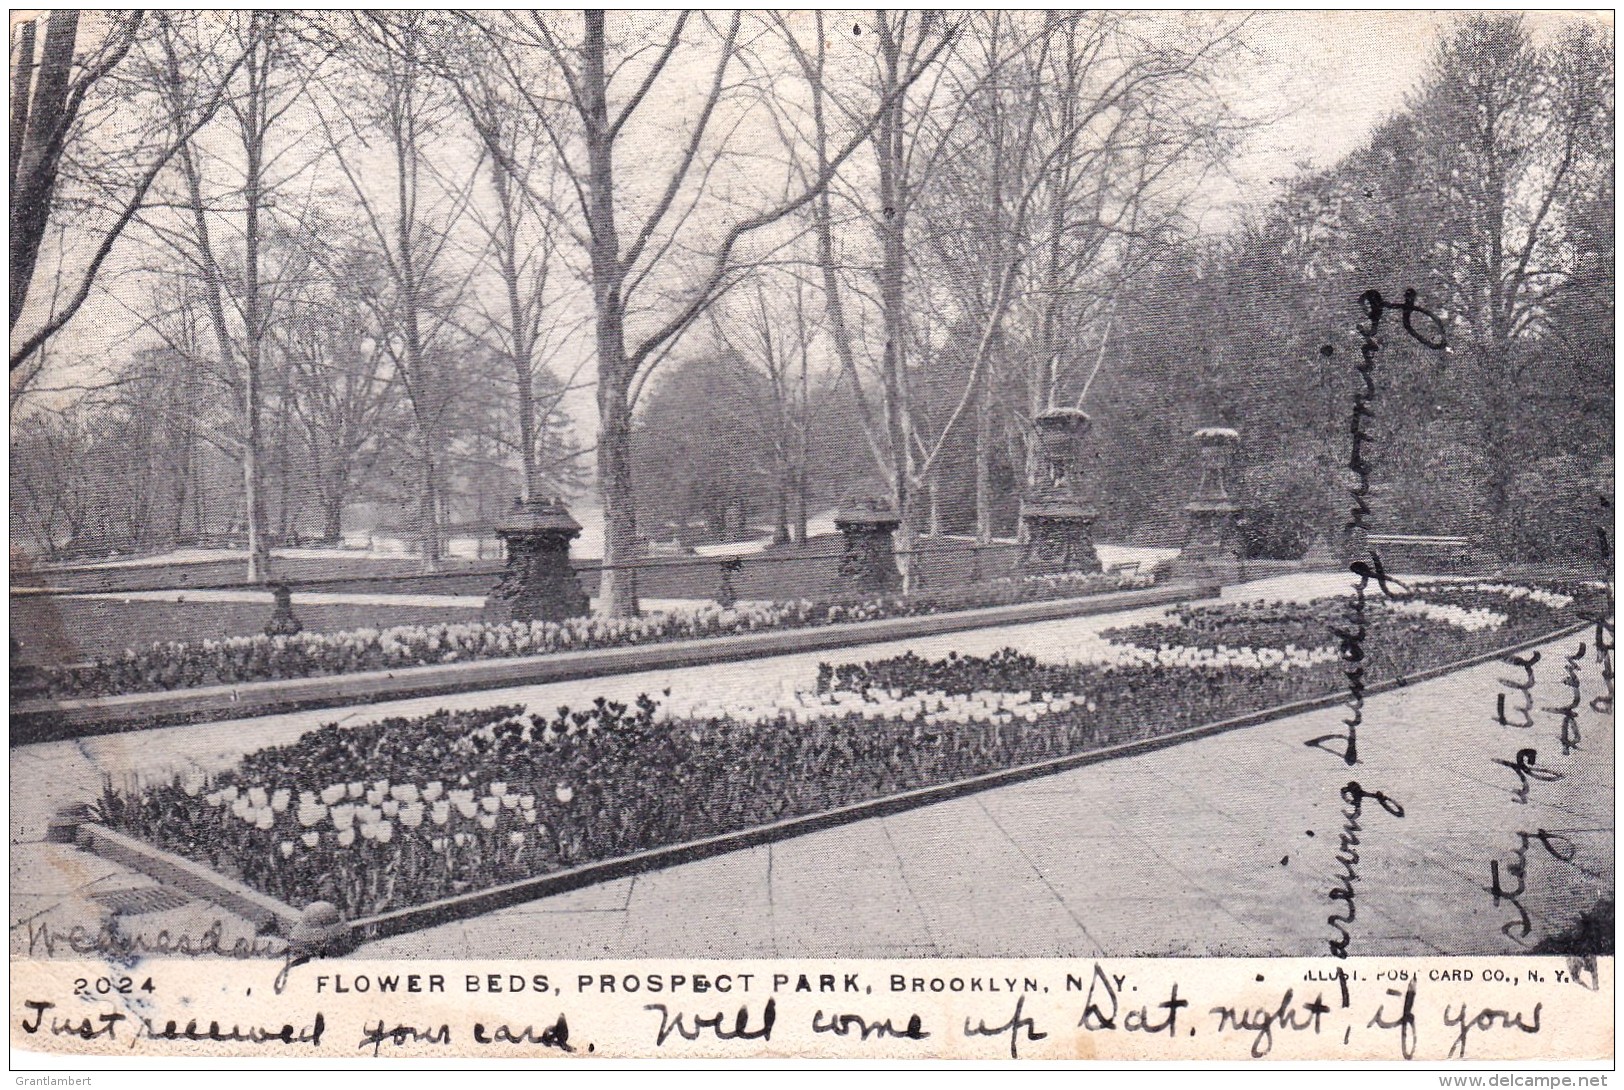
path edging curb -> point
(258, 908)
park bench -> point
(1421, 553)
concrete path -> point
(1223, 846)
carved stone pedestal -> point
(1057, 523)
(1213, 546)
(868, 564)
(1059, 536)
(540, 583)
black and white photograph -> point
(813, 490)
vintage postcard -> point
(812, 536)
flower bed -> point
(407, 811)
(1308, 629)
(177, 665)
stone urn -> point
(868, 561)
(1058, 523)
(540, 583)
(1213, 547)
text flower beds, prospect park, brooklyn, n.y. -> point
(406, 811)
(242, 659)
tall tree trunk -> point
(22, 81)
(259, 550)
(428, 511)
(892, 226)
(781, 534)
(523, 347)
(800, 505)
(286, 521)
(617, 589)
(36, 145)
(983, 467)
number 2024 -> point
(110, 985)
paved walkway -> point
(1223, 846)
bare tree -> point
(524, 232)
(230, 202)
(410, 227)
(56, 121)
(342, 390)
(49, 500)
(1016, 147)
(910, 141)
(770, 325)
(628, 252)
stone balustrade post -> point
(539, 584)
(868, 563)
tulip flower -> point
(265, 821)
(516, 839)
(490, 804)
(310, 839)
(441, 813)
(385, 832)
(433, 790)
(404, 792)
(279, 801)
(467, 807)
(564, 793)
(487, 822)
(390, 808)
(286, 848)
(411, 815)
(333, 795)
(257, 797)
(346, 837)
(357, 789)
(193, 785)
